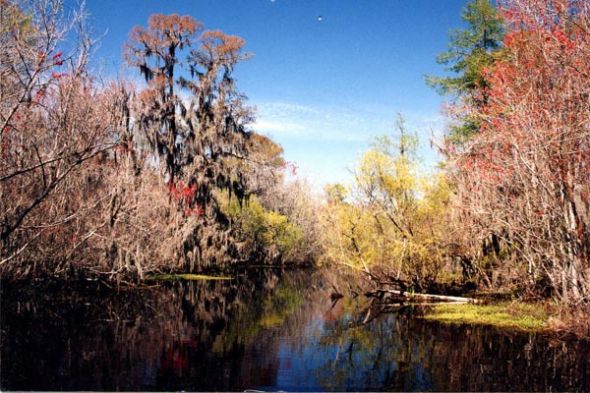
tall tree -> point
(155, 51)
(200, 135)
(471, 51)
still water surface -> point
(269, 331)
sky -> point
(327, 76)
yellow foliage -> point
(258, 226)
(396, 222)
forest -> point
(123, 180)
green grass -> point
(189, 277)
(514, 316)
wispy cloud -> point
(326, 141)
(287, 120)
(280, 127)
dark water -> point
(270, 331)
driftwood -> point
(403, 293)
(424, 296)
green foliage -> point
(286, 235)
(335, 193)
(471, 51)
(264, 230)
(404, 144)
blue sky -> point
(323, 89)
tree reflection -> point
(398, 351)
(184, 335)
(263, 330)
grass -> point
(508, 315)
(188, 277)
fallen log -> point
(426, 296)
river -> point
(263, 330)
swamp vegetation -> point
(156, 241)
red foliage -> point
(57, 59)
(536, 93)
(526, 172)
(184, 195)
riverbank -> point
(508, 315)
(491, 310)
(541, 316)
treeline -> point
(109, 179)
(509, 210)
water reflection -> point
(265, 330)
